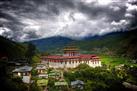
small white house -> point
(41, 68)
(77, 84)
(24, 72)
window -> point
(19, 74)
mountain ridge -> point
(59, 41)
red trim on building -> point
(61, 58)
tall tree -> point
(31, 51)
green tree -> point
(31, 51)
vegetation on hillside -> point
(112, 61)
(51, 44)
(11, 49)
(15, 52)
(116, 43)
(102, 79)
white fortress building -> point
(71, 59)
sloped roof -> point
(61, 57)
(77, 82)
(40, 66)
(23, 69)
(89, 56)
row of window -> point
(72, 62)
(75, 59)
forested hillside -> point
(116, 43)
(13, 52)
(11, 49)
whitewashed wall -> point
(73, 64)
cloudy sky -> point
(24, 20)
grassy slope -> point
(114, 61)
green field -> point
(114, 61)
(42, 82)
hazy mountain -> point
(52, 43)
(122, 43)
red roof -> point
(54, 56)
(95, 57)
(60, 57)
(87, 56)
(70, 57)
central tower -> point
(71, 51)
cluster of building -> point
(76, 84)
(71, 59)
(25, 73)
(41, 71)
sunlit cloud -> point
(33, 19)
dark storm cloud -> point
(93, 11)
(31, 19)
